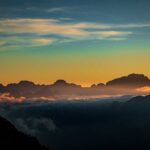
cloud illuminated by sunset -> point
(145, 89)
(77, 31)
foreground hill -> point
(11, 138)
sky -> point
(82, 41)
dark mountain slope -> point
(11, 138)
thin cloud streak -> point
(43, 41)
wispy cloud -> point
(107, 34)
(117, 39)
(43, 41)
(6, 97)
(64, 31)
(111, 26)
(25, 42)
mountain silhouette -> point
(99, 85)
(23, 88)
(140, 99)
(63, 83)
(138, 103)
(1, 88)
(11, 138)
(132, 80)
(63, 89)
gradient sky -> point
(81, 41)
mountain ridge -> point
(133, 77)
(125, 85)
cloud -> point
(6, 97)
(43, 41)
(111, 26)
(51, 26)
(35, 126)
(107, 34)
(145, 90)
(25, 41)
(117, 39)
(64, 31)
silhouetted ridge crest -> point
(140, 99)
(26, 83)
(60, 82)
(98, 85)
(132, 80)
(125, 85)
(1, 88)
(63, 83)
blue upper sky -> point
(107, 11)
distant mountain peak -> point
(135, 80)
(60, 82)
(97, 85)
(26, 83)
(130, 84)
(134, 75)
(1, 85)
(63, 83)
(1, 88)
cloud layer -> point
(36, 32)
(108, 124)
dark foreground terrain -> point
(11, 138)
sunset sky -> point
(81, 41)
